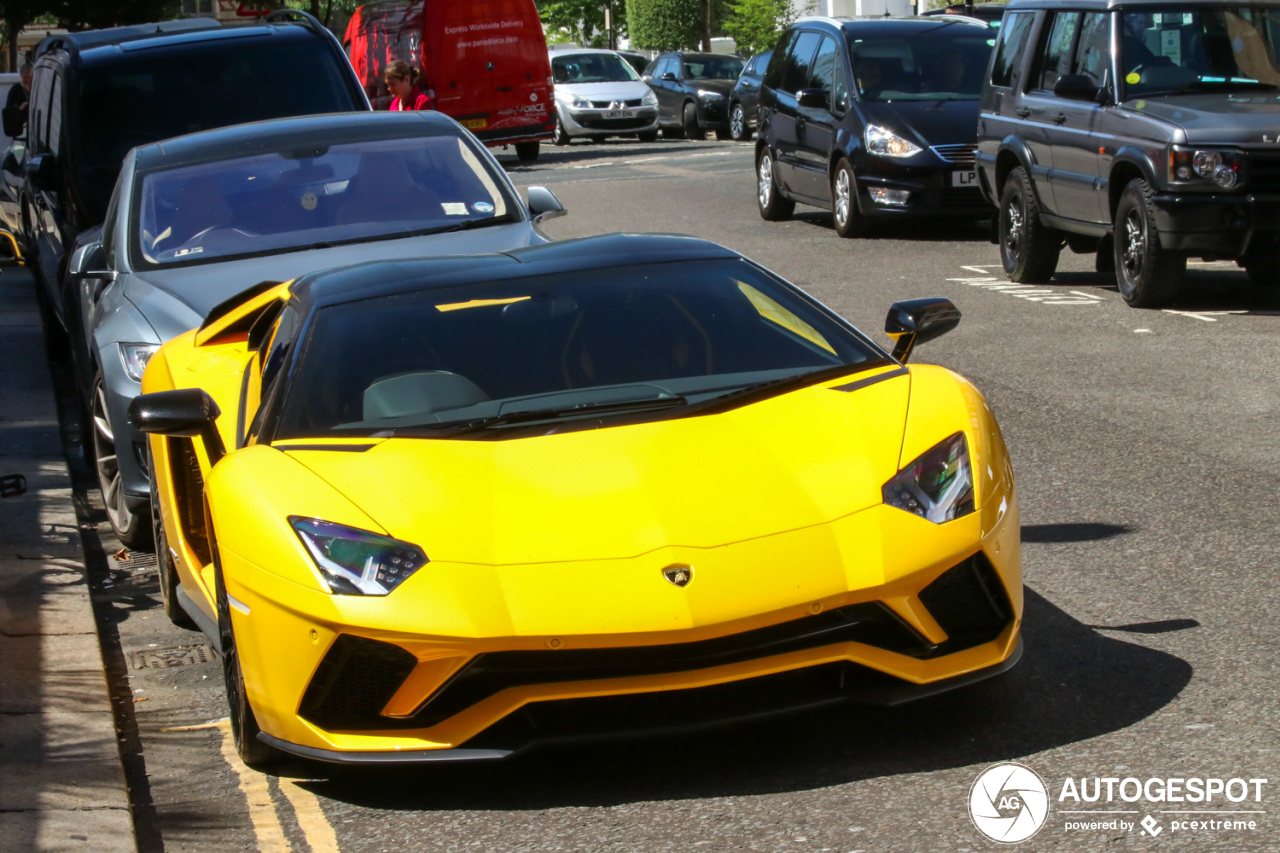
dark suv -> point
(97, 94)
(872, 118)
(1145, 132)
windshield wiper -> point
(470, 223)
(610, 407)
(1219, 83)
(796, 380)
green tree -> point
(665, 24)
(583, 21)
(754, 25)
(96, 15)
(17, 15)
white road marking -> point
(1207, 316)
(1030, 292)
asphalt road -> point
(1145, 448)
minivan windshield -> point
(642, 341)
(592, 68)
(314, 197)
(944, 63)
(158, 93)
(702, 67)
(1189, 49)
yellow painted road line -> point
(257, 792)
(315, 826)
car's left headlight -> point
(135, 358)
(354, 561)
(649, 99)
(937, 485)
(885, 143)
(579, 103)
(708, 95)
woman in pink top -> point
(402, 80)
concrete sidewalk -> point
(62, 786)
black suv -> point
(872, 118)
(693, 92)
(97, 94)
(1144, 132)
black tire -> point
(845, 215)
(560, 136)
(648, 136)
(1147, 275)
(724, 135)
(132, 528)
(673, 133)
(739, 129)
(528, 151)
(244, 725)
(1028, 249)
(774, 207)
(689, 120)
(164, 561)
(1263, 271)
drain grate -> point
(166, 658)
(125, 560)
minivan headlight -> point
(937, 485)
(885, 143)
(354, 561)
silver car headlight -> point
(579, 103)
(354, 561)
(649, 99)
(135, 358)
(885, 143)
(937, 485)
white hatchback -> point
(599, 94)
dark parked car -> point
(872, 118)
(201, 218)
(638, 61)
(693, 92)
(745, 97)
(97, 94)
(1146, 133)
(988, 13)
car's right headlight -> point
(937, 485)
(354, 561)
(579, 103)
(1202, 166)
(649, 99)
(885, 143)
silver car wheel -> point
(766, 179)
(110, 480)
(844, 198)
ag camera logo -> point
(1009, 803)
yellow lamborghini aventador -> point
(439, 509)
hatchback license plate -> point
(620, 114)
(964, 179)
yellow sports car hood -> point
(788, 462)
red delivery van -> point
(483, 62)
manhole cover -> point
(165, 658)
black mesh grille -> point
(970, 603)
(354, 682)
(870, 623)
(614, 123)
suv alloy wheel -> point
(773, 207)
(1147, 274)
(1028, 250)
(844, 201)
(738, 129)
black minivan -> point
(873, 119)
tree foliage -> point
(754, 25)
(583, 21)
(665, 24)
(96, 15)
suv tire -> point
(690, 123)
(844, 202)
(773, 207)
(1028, 250)
(739, 131)
(1263, 271)
(1147, 275)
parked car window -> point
(778, 63)
(800, 62)
(1092, 52)
(55, 116)
(1189, 48)
(825, 64)
(938, 64)
(281, 200)
(712, 68)
(38, 123)
(1052, 63)
(1011, 48)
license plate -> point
(620, 114)
(964, 179)
(474, 123)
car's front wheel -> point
(773, 206)
(1147, 274)
(739, 130)
(690, 123)
(244, 725)
(1028, 248)
(844, 202)
(164, 559)
(132, 528)
(1263, 271)
(560, 136)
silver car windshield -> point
(592, 68)
(320, 196)
(1199, 49)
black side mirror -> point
(543, 204)
(816, 98)
(1076, 87)
(914, 321)
(185, 413)
(42, 171)
(669, 77)
(14, 120)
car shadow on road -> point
(914, 230)
(1072, 684)
(1208, 288)
(552, 156)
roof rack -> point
(296, 16)
(73, 43)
